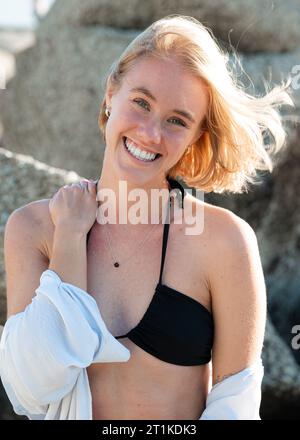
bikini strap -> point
(174, 184)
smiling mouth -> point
(137, 157)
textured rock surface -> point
(281, 383)
(249, 26)
(279, 234)
(24, 180)
(57, 93)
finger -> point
(91, 185)
(88, 183)
(81, 185)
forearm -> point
(237, 397)
(44, 349)
(69, 256)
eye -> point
(142, 103)
(179, 121)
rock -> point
(23, 180)
(57, 94)
(249, 26)
(11, 43)
(274, 68)
(279, 235)
(281, 382)
(7, 68)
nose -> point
(150, 132)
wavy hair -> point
(232, 146)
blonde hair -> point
(231, 148)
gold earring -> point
(107, 112)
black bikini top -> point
(175, 328)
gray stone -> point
(281, 382)
(23, 180)
(249, 26)
(52, 104)
(279, 235)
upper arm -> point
(24, 260)
(238, 298)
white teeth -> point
(139, 154)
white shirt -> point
(45, 350)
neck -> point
(128, 203)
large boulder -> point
(279, 235)
(11, 43)
(281, 382)
(50, 109)
(23, 180)
(248, 26)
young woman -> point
(144, 321)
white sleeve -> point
(237, 397)
(45, 349)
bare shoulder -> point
(35, 217)
(230, 235)
(233, 251)
(46, 226)
(231, 232)
(25, 252)
(40, 211)
(223, 235)
(220, 224)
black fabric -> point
(175, 328)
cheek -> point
(127, 116)
(178, 143)
(119, 121)
(175, 150)
(177, 139)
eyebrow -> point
(146, 92)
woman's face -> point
(158, 110)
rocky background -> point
(49, 137)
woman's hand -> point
(75, 206)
